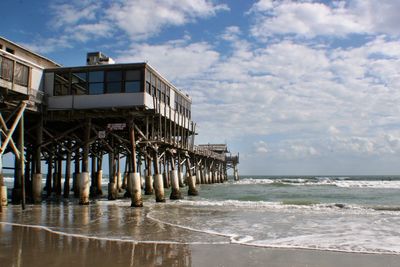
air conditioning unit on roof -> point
(98, 58)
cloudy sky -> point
(297, 87)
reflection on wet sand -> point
(109, 235)
(23, 246)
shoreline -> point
(137, 242)
(30, 245)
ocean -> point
(356, 214)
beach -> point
(257, 221)
(39, 246)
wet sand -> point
(51, 246)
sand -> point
(24, 246)
(40, 246)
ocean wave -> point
(315, 233)
(342, 182)
(289, 205)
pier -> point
(65, 121)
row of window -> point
(97, 82)
(156, 87)
(117, 81)
(182, 106)
(19, 74)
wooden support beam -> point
(20, 113)
(5, 132)
(55, 138)
(137, 129)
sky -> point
(296, 87)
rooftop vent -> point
(98, 58)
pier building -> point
(67, 119)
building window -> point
(79, 83)
(158, 89)
(96, 88)
(9, 50)
(148, 81)
(133, 81)
(21, 74)
(163, 88)
(114, 81)
(96, 82)
(168, 94)
(61, 84)
(153, 84)
(6, 68)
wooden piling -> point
(83, 178)
(112, 188)
(158, 179)
(67, 171)
(191, 179)
(49, 173)
(175, 192)
(22, 159)
(134, 176)
(75, 187)
(99, 174)
(148, 190)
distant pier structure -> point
(63, 121)
(231, 161)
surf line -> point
(136, 242)
(234, 239)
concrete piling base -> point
(192, 186)
(3, 196)
(83, 184)
(112, 191)
(148, 190)
(37, 188)
(175, 192)
(135, 188)
(159, 188)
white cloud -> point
(177, 60)
(49, 45)
(318, 100)
(73, 12)
(141, 19)
(231, 33)
(261, 147)
(80, 21)
(313, 18)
